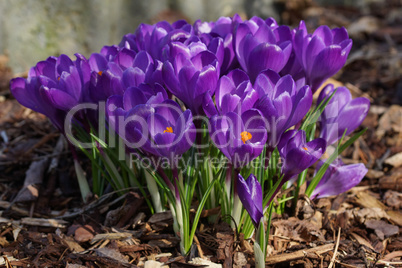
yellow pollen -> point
(100, 72)
(168, 129)
(245, 136)
(305, 148)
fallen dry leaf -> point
(393, 199)
(395, 160)
(366, 200)
(365, 214)
(84, 233)
(390, 120)
(362, 241)
(298, 230)
(33, 177)
(382, 229)
(392, 182)
(111, 253)
(395, 217)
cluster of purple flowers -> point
(253, 79)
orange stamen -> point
(168, 129)
(100, 72)
(305, 148)
(245, 136)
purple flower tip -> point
(250, 194)
(338, 178)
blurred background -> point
(32, 30)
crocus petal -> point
(230, 103)
(341, 113)
(350, 117)
(61, 99)
(63, 63)
(241, 155)
(143, 60)
(325, 34)
(97, 62)
(133, 77)
(71, 84)
(265, 56)
(125, 58)
(208, 105)
(339, 179)
(326, 64)
(185, 133)
(340, 34)
(19, 89)
(164, 141)
(304, 100)
(220, 133)
(314, 48)
(225, 86)
(170, 78)
(207, 80)
(250, 194)
(265, 83)
(297, 155)
(242, 31)
(132, 97)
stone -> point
(34, 30)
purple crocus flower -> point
(322, 54)
(250, 194)
(281, 102)
(31, 94)
(113, 74)
(223, 28)
(53, 87)
(171, 132)
(155, 125)
(117, 105)
(240, 138)
(190, 73)
(234, 93)
(66, 90)
(297, 154)
(342, 113)
(261, 45)
(153, 38)
(338, 178)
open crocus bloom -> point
(113, 74)
(159, 128)
(338, 178)
(240, 138)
